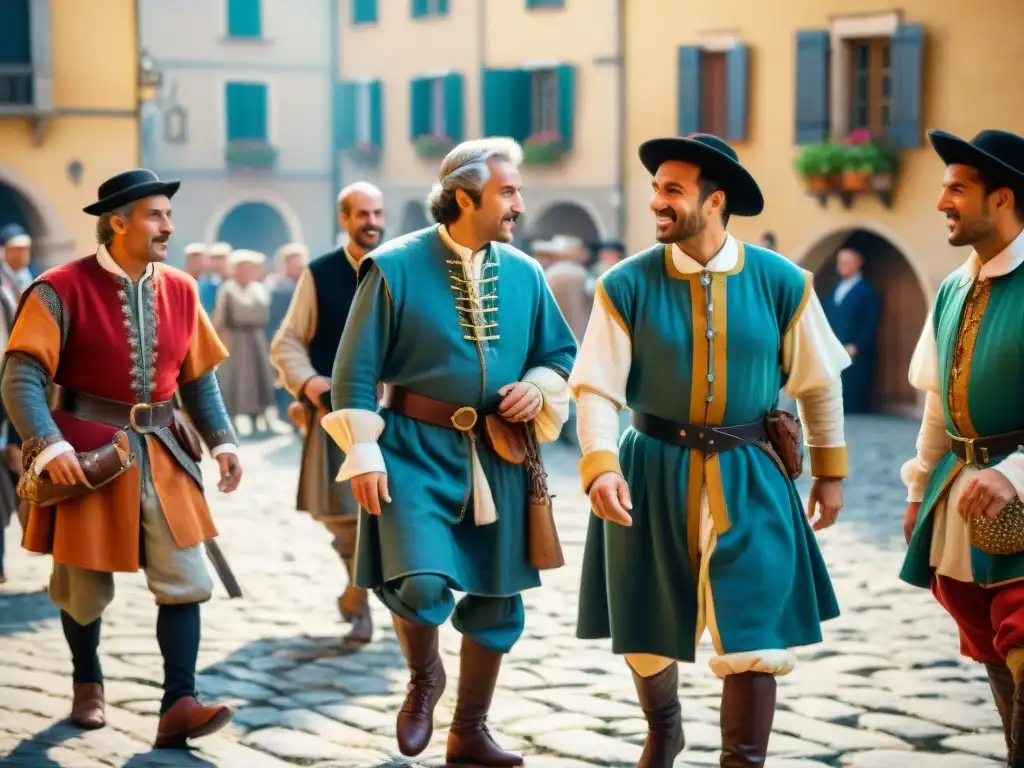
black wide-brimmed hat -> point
(716, 159)
(999, 155)
(128, 187)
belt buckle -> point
(460, 417)
(133, 421)
(968, 444)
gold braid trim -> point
(32, 447)
(963, 356)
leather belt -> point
(695, 437)
(438, 413)
(981, 450)
(143, 418)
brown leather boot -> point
(659, 699)
(469, 741)
(1016, 757)
(88, 706)
(1001, 682)
(415, 723)
(355, 607)
(188, 719)
(748, 708)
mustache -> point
(513, 217)
(373, 228)
(161, 239)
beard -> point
(365, 240)
(691, 225)
(971, 232)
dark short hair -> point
(613, 245)
(707, 186)
(990, 185)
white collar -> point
(107, 262)
(852, 280)
(1001, 264)
(461, 251)
(723, 261)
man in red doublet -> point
(120, 333)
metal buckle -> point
(458, 420)
(132, 419)
(968, 444)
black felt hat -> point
(715, 158)
(999, 155)
(128, 187)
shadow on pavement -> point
(19, 611)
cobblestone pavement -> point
(885, 689)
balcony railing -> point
(16, 86)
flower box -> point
(365, 154)
(853, 166)
(250, 154)
(429, 146)
(543, 149)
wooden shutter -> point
(244, 18)
(442, 7)
(737, 62)
(346, 114)
(907, 80)
(376, 113)
(41, 39)
(566, 78)
(453, 107)
(364, 11)
(246, 111)
(688, 118)
(813, 54)
(420, 8)
(419, 107)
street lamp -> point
(148, 90)
(150, 78)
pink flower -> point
(859, 136)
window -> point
(246, 112)
(364, 12)
(363, 123)
(713, 93)
(423, 8)
(713, 81)
(437, 108)
(15, 53)
(545, 3)
(870, 74)
(544, 101)
(244, 19)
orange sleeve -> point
(36, 333)
(205, 352)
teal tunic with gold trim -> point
(760, 581)
(406, 329)
(984, 319)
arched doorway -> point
(22, 205)
(566, 219)
(903, 311)
(414, 217)
(254, 225)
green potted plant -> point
(856, 167)
(543, 148)
(817, 164)
(433, 146)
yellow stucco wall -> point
(973, 57)
(94, 75)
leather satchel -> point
(505, 439)
(544, 548)
(100, 467)
(186, 436)
(784, 437)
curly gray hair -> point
(466, 168)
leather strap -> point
(140, 417)
(707, 439)
(437, 413)
(982, 450)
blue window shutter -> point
(346, 117)
(688, 116)
(737, 78)
(566, 78)
(813, 53)
(496, 99)
(419, 107)
(420, 8)
(521, 104)
(907, 81)
(17, 39)
(364, 11)
(453, 107)
(545, 3)
(442, 7)
(246, 111)
(376, 114)
(244, 18)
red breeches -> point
(990, 620)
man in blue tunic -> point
(697, 524)
(463, 330)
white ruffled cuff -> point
(360, 459)
(49, 453)
(1012, 468)
(554, 391)
(217, 450)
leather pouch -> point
(505, 439)
(544, 549)
(186, 436)
(100, 467)
(784, 436)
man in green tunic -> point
(970, 461)
(696, 526)
(463, 330)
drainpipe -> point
(481, 53)
(335, 76)
(138, 99)
(621, 118)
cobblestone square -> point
(886, 688)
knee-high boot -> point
(353, 604)
(469, 741)
(1001, 682)
(748, 709)
(1016, 758)
(415, 723)
(659, 699)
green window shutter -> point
(545, 3)
(246, 105)
(737, 66)
(376, 114)
(688, 84)
(17, 36)
(907, 80)
(420, 8)
(521, 105)
(496, 100)
(813, 49)
(244, 18)
(442, 7)
(566, 77)
(419, 107)
(364, 11)
(454, 124)
(345, 116)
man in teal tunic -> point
(695, 524)
(460, 326)
(970, 462)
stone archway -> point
(254, 225)
(904, 307)
(414, 217)
(566, 218)
(20, 204)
